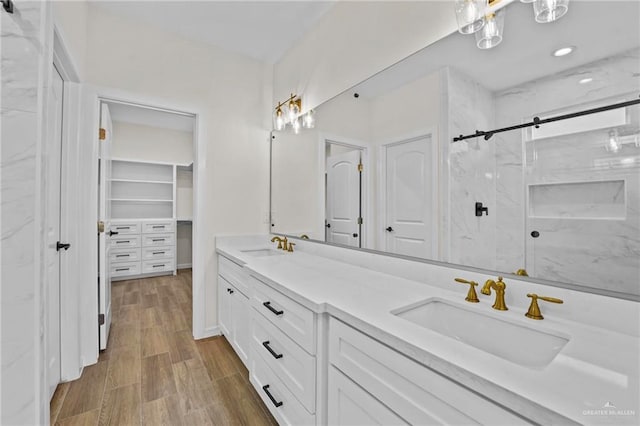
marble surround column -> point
(26, 46)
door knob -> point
(60, 246)
(535, 234)
(112, 233)
(389, 229)
(328, 225)
(355, 235)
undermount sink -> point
(262, 252)
(515, 342)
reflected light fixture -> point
(485, 18)
(287, 112)
(563, 51)
(586, 80)
(613, 144)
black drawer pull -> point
(158, 252)
(123, 255)
(265, 388)
(122, 242)
(123, 227)
(121, 269)
(158, 239)
(271, 351)
(157, 226)
(158, 266)
(272, 309)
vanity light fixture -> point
(485, 18)
(287, 112)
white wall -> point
(355, 40)
(27, 41)
(146, 143)
(70, 19)
(233, 96)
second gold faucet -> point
(499, 287)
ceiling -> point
(263, 30)
(134, 114)
(598, 29)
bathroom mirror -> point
(381, 171)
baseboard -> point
(209, 332)
(183, 266)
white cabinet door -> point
(351, 405)
(240, 320)
(224, 306)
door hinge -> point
(102, 134)
(359, 221)
(100, 226)
(100, 319)
(360, 167)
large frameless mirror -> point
(560, 202)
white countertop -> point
(597, 366)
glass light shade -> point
(527, 1)
(613, 143)
(309, 121)
(278, 120)
(491, 33)
(295, 125)
(550, 10)
(294, 110)
(469, 15)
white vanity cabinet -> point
(234, 307)
(369, 380)
(283, 364)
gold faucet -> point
(472, 296)
(499, 287)
(534, 309)
(290, 248)
(304, 236)
(279, 240)
(284, 244)
(522, 272)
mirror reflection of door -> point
(343, 192)
(409, 189)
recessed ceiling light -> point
(563, 51)
(586, 80)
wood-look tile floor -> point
(154, 373)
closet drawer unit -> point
(151, 266)
(125, 228)
(124, 255)
(411, 390)
(123, 241)
(234, 273)
(157, 240)
(292, 365)
(277, 397)
(155, 253)
(125, 268)
(157, 227)
(289, 316)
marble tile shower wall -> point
(614, 76)
(494, 173)
(471, 239)
(26, 43)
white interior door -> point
(104, 282)
(54, 153)
(409, 198)
(343, 199)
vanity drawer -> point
(151, 266)
(293, 319)
(234, 273)
(125, 228)
(124, 255)
(157, 240)
(124, 268)
(157, 226)
(154, 253)
(411, 390)
(292, 365)
(285, 407)
(120, 242)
